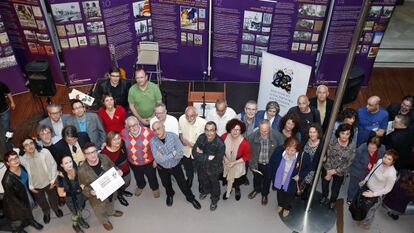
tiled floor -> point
(148, 215)
(397, 47)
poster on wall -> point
(181, 29)
(344, 20)
(29, 35)
(243, 31)
(282, 80)
(82, 38)
(10, 73)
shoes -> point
(279, 209)
(83, 223)
(122, 200)
(202, 196)
(138, 192)
(364, 226)
(225, 196)
(190, 183)
(156, 193)
(393, 216)
(252, 194)
(196, 204)
(213, 206)
(285, 213)
(77, 228)
(169, 201)
(127, 194)
(36, 225)
(108, 226)
(238, 194)
(323, 201)
(332, 205)
(46, 218)
(264, 200)
(59, 213)
(117, 213)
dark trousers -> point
(43, 201)
(284, 199)
(188, 167)
(177, 172)
(261, 183)
(149, 172)
(210, 184)
(335, 188)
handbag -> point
(360, 204)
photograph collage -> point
(34, 29)
(142, 20)
(308, 28)
(193, 24)
(255, 37)
(374, 28)
(79, 24)
(7, 58)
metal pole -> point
(210, 16)
(340, 93)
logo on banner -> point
(283, 79)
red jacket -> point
(244, 150)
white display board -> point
(282, 80)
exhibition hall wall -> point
(74, 37)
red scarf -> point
(372, 160)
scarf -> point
(279, 173)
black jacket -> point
(62, 147)
(104, 86)
(16, 203)
(402, 141)
(216, 148)
(329, 105)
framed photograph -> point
(188, 18)
(244, 59)
(305, 24)
(4, 39)
(253, 60)
(64, 43)
(141, 27)
(30, 35)
(198, 39)
(70, 29)
(82, 41)
(73, 42)
(91, 10)
(247, 48)
(252, 21)
(312, 10)
(41, 25)
(141, 9)
(43, 37)
(61, 31)
(25, 15)
(48, 49)
(267, 19)
(66, 12)
(302, 36)
(95, 27)
(102, 40)
(80, 29)
(93, 40)
(260, 39)
(37, 12)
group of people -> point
(132, 130)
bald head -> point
(373, 104)
(303, 104)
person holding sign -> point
(168, 152)
(91, 169)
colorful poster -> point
(181, 29)
(82, 37)
(10, 73)
(344, 20)
(243, 31)
(29, 35)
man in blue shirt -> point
(168, 151)
(372, 119)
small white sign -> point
(107, 184)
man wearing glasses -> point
(137, 143)
(94, 166)
(221, 115)
(56, 120)
(116, 86)
(170, 122)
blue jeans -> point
(5, 120)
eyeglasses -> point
(236, 130)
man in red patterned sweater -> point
(137, 142)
